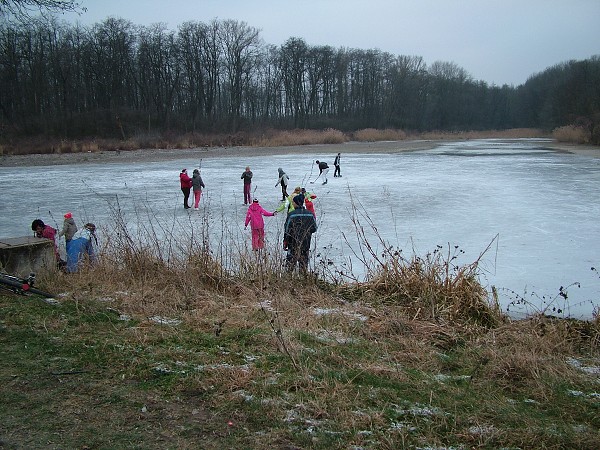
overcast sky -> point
(497, 41)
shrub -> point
(372, 135)
(571, 133)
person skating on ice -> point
(186, 185)
(254, 217)
(283, 180)
(197, 185)
(247, 177)
(336, 162)
(288, 205)
(308, 201)
(323, 169)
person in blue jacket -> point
(81, 248)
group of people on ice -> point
(80, 245)
(301, 217)
(300, 222)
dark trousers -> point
(186, 196)
(284, 193)
(337, 172)
(297, 256)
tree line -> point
(71, 81)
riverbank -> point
(144, 155)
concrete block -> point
(22, 255)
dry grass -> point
(373, 135)
(513, 133)
(300, 137)
(572, 134)
(255, 138)
(291, 362)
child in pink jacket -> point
(257, 224)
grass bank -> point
(256, 138)
(167, 349)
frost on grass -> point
(445, 378)
(329, 311)
(164, 321)
(590, 370)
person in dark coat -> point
(323, 169)
(336, 162)
(299, 227)
(247, 177)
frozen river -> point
(538, 208)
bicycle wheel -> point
(21, 286)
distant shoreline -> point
(145, 155)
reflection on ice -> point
(542, 205)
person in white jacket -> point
(283, 181)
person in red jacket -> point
(47, 232)
(186, 185)
(308, 201)
(254, 217)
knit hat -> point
(299, 200)
(255, 200)
(68, 215)
(183, 170)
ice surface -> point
(543, 206)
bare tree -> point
(21, 10)
(241, 44)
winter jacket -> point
(247, 177)
(197, 182)
(255, 214)
(308, 202)
(69, 229)
(50, 233)
(283, 178)
(288, 205)
(299, 227)
(185, 180)
(80, 248)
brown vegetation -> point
(181, 344)
(258, 138)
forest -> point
(113, 78)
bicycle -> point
(21, 286)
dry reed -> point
(573, 134)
